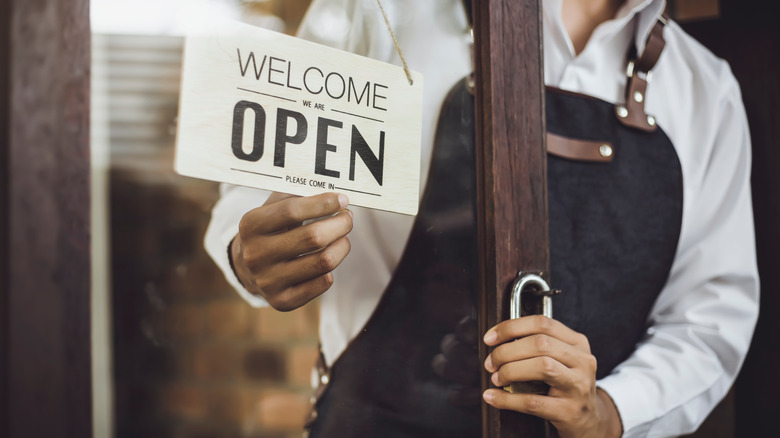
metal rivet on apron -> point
(638, 97)
(651, 120)
(605, 150)
(622, 112)
(324, 379)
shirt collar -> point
(646, 11)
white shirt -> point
(701, 324)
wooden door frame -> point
(511, 171)
(45, 356)
(5, 88)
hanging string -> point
(395, 41)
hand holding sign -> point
(284, 261)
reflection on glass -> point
(188, 357)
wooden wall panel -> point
(48, 372)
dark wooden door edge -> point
(5, 87)
(46, 219)
(512, 200)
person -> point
(664, 231)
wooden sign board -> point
(266, 110)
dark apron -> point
(614, 227)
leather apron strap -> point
(639, 72)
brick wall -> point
(191, 359)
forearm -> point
(226, 214)
(609, 418)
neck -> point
(582, 17)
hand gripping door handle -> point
(531, 285)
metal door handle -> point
(530, 283)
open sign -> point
(266, 110)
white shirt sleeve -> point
(702, 323)
(234, 202)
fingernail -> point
(491, 336)
(352, 215)
(494, 379)
(489, 364)
(343, 200)
(488, 396)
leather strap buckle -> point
(631, 69)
